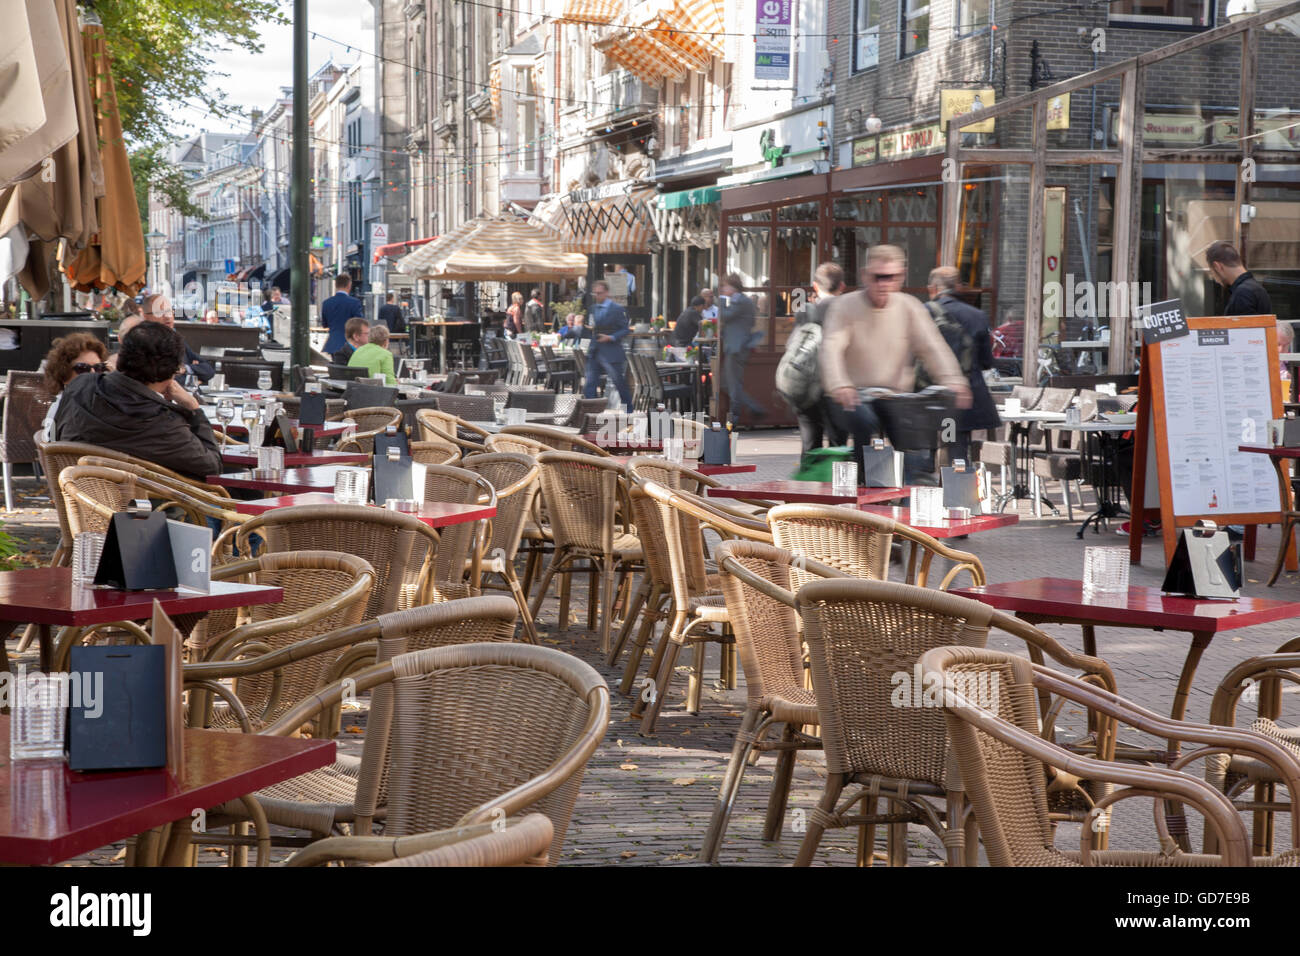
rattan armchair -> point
(323, 591)
(26, 401)
(515, 726)
(352, 790)
(370, 421)
(92, 495)
(988, 701)
(469, 408)
(556, 439)
(456, 564)
(864, 640)
(436, 452)
(582, 495)
(399, 547)
(511, 443)
(525, 841)
(858, 542)
(443, 426)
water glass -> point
(349, 429)
(264, 379)
(1073, 416)
(225, 412)
(270, 459)
(36, 717)
(403, 505)
(86, 549)
(1105, 570)
(499, 410)
(1012, 406)
(844, 477)
(352, 486)
(256, 435)
(516, 416)
(926, 506)
(675, 450)
(218, 383)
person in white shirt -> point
(710, 307)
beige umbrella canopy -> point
(495, 249)
(115, 258)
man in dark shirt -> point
(390, 314)
(336, 310)
(1245, 295)
(688, 323)
(535, 313)
(357, 334)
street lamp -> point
(155, 240)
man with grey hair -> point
(966, 331)
(873, 339)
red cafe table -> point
(436, 514)
(291, 481)
(49, 813)
(298, 459)
(47, 598)
(809, 492)
(327, 430)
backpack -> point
(799, 373)
(959, 340)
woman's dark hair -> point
(151, 353)
(64, 352)
(698, 302)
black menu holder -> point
(882, 468)
(394, 478)
(307, 440)
(716, 447)
(282, 435)
(960, 489)
(137, 553)
(390, 439)
(312, 409)
(117, 718)
(1206, 563)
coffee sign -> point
(965, 102)
(1163, 320)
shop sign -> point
(1167, 128)
(911, 142)
(772, 40)
(961, 102)
(865, 151)
(1058, 112)
(1279, 132)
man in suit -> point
(390, 314)
(737, 330)
(336, 310)
(609, 326)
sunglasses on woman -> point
(81, 368)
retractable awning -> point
(590, 11)
(495, 250)
(394, 249)
(613, 220)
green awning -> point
(702, 196)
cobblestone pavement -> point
(648, 800)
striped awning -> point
(696, 26)
(495, 249)
(590, 11)
(648, 58)
(608, 224)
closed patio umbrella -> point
(495, 249)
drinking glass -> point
(225, 411)
(499, 410)
(36, 718)
(675, 450)
(86, 550)
(349, 429)
(516, 416)
(256, 435)
(249, 414)
(844, 477)
(926, 505)
(264, 379)
(218, 383)
(1105, 570)
(270, 459)
(352, 486)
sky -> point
(253, 82)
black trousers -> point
(815, 424)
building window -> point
(915, 15)
(866, 32)
(1184, 13)
(972, 17)
(525, 120)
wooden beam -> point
(1126, 220)
(1246, 125)
(1232, 156)
(1010, 157)
(951, 201)
(1082, 157)
(1034, 265)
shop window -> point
(849, 245)
(1182, 13)
(866, 34)
(795, 255)
(866, 208)
(915, 15)
(748, 254)
(920, 245)
(972, 17)
(914, 205)
(800, 212)
(754, 215)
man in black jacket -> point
(535, 313)
(982, 414)
(140, 409)
(390, 314)
(688, 323)
(1245, 295)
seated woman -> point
(70, 356)
(374, 356)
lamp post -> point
(155, 240)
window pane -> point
(916, 26)
(747, 254)
(849, 247)
(866, 28)
(974, 253)
(866, 208)
(1194, 13)
(918, 243)
(756, 215)
(972, 16)
(795, 255)
(800, 212)
(914, 205)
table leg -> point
(1174, 810)
(46, 644)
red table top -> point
(327, 430)
(945, 528)
(49, 813)
(1063, 600)
(291, 480)
(808, 492)
(436, 514)
(1279, 452)
(698, 466)
(299, 459)
(48, 596)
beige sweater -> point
(865, 347)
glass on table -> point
(270, 459)
(1105, 570)
(926, 505)
(225, 411)
(249, 413)
(499, 410)
(352, 486)
(844, 477)
(256, 435)
(36, 717)
(264, 379)
(87, 546)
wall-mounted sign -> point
(865, 151)
(772, 40)
(1058, 112)
(1279, 132)
(1165, 128)
(961, 102)
(911, 142)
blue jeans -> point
(598, 365)
(863, 424)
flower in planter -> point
(659, 322)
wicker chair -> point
(26, 402)
(320, 800)
(532, 401)
(469, 408)
(988, 701)
(756, 582)
(437, 452)
(582, 494)
(323, 591)
(554, 438)
(516, 445)
(461, 547)
(858, 543)
(515, 478)
(399, 547)
(489, 764)
(91, 496)
(582, 408)
(522, 842)
(443, 426)
(864, 639)
(370, 422)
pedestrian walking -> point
(738, 340)
(336, 310)
(966, 331)
(813, 411)
(609, 326)
(535, 313)
(515, 314)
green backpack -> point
(959, 340)
(816, 463)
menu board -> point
(1218, 390)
